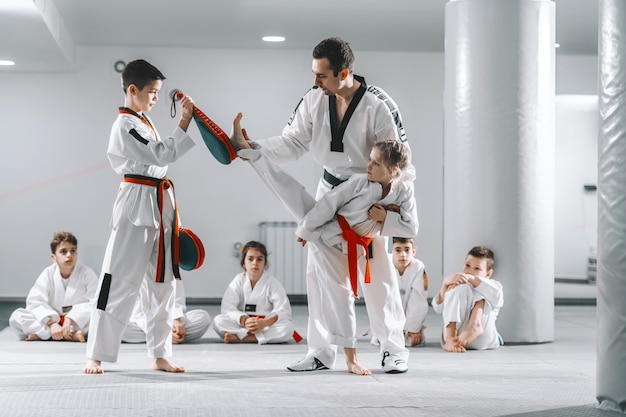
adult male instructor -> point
(338, 120)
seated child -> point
(255, 307)
(187, 325)
(58, 306)
(470, 302)
(413, 283)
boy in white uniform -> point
(187, 325)
(144, 225)
(339, 120)
(255, 307)
(469, 303)
(413, 283)
(58, 306)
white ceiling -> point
(43, 34)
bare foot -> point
(162, 364)
(32, 337)
(93, 367)
(470, 333)
(237, 137)
(357, 369)
(78, 336)
(231, 338)
(451, 344)
(474, 328)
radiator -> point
(286, 257)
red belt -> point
(353, 239)
(162, 184)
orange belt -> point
(162, 184)
(353, 239)
(296, 336)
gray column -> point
(499, 152)
(611, 278)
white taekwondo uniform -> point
(267, 298)
(139, 247)
(414, 293)
(457, 306)
(196, 322)
(53, 296)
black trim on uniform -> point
(103, 297)
(393, 109)
(137, 136)
(331, 179)
(293, 114)
(337, 132)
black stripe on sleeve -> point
(103, 297)
(137, 136)
(393, 109)
(293, 115)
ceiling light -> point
(6, 62)
(18, 6)
(274, 38)
(556, 45)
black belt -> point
(331, 179)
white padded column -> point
(611, 278)
(499, 152)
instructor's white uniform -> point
(343, 151)
(267, 298)
(132, 253)
(53, 296)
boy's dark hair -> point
(395, 153)
(338, 53)
(403, 240)
(140, 73)
(60, 237)
(253, 244)
(483, 252)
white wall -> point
(576, 208)
(576, 164)
(55, 130)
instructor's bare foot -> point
(162, 364)
(237, 137)
(357, 369)
(93, 367)
(32, 337)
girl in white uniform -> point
(255, 307)
(143, 221)
(59, 304)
